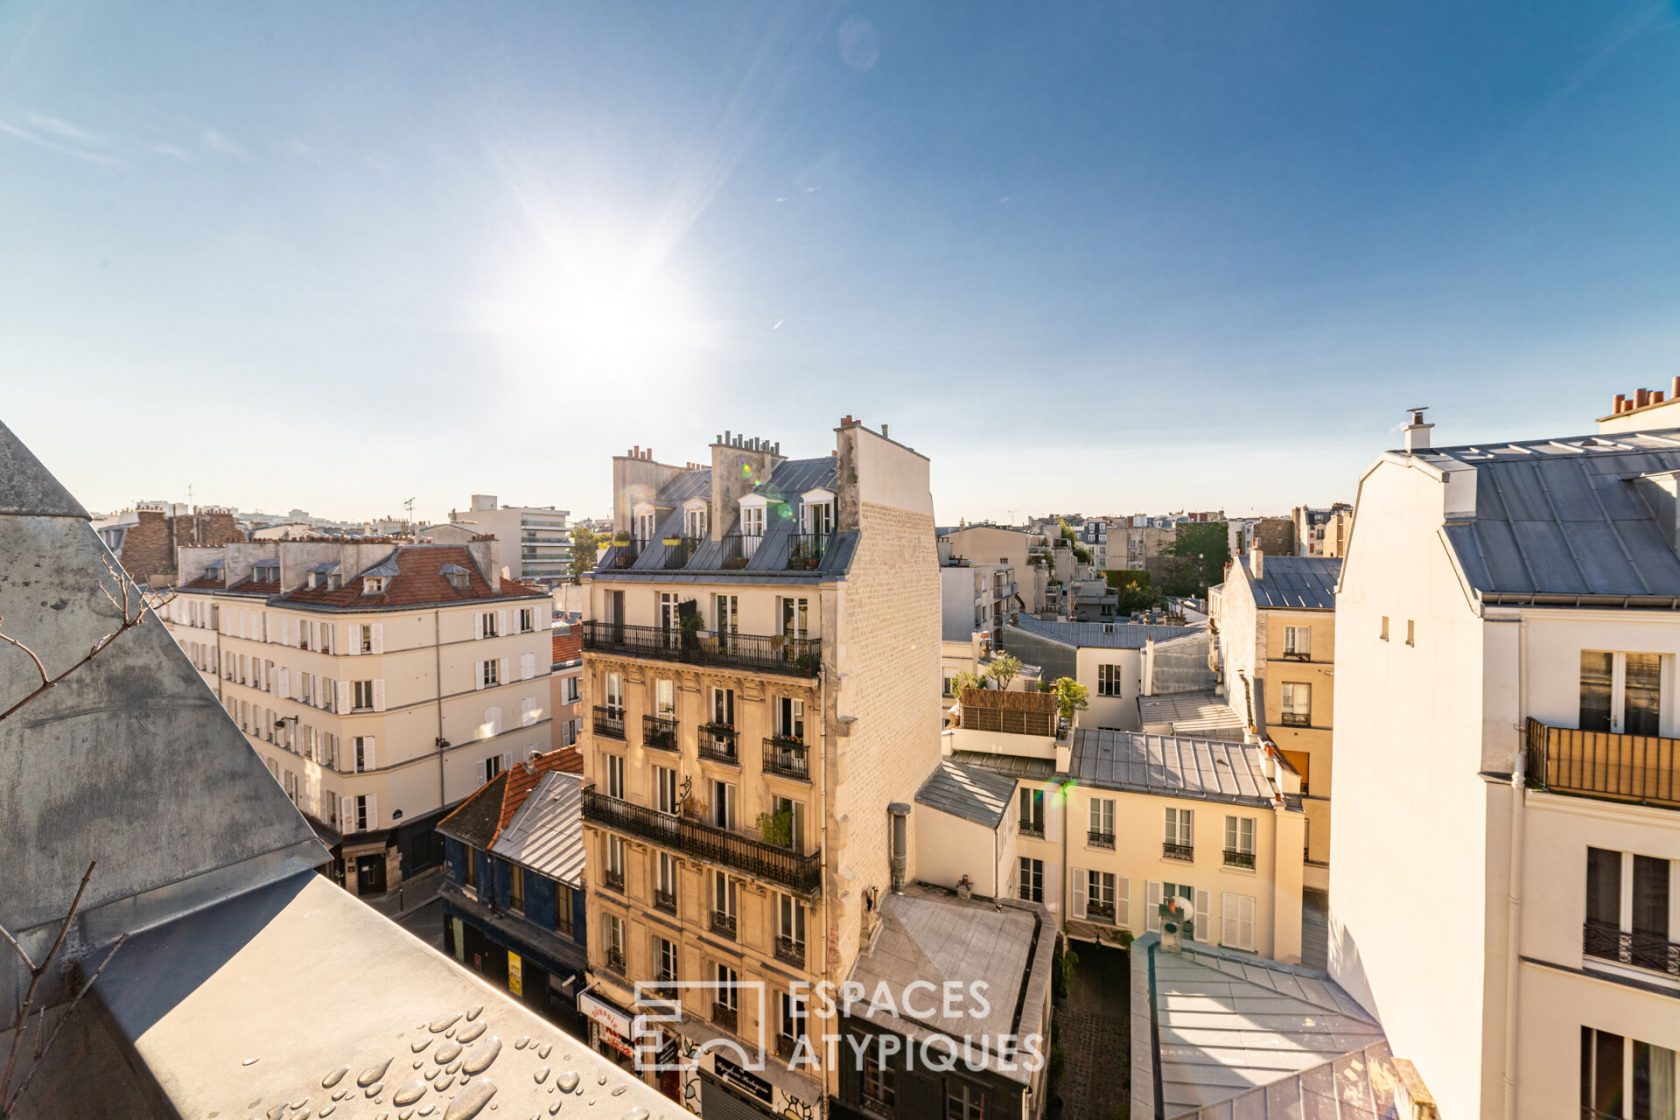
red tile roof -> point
(523, 778)
(568, 647)
(419, 582)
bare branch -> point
(42, 1049)
(13, 942)
(31, 654)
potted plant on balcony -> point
(1003, 668)
(688, 618)
(776, 828)
(621, 540)
(1071, 697)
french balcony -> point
(613, 879)
(789, 951)
(678, 551)
(1033, 828)
(1100, 912)
(786, 1045)
(1604, 941)
(621, 554)
(788, 757)
(1295, 719)
(1183, 852)
(1640, 769)
(739, 548)
(609, 722)
(806, 551)
(722, 924)
(1244, 860)
(717, 744)
(745, 853)
(724, 1015)
(659, 733)
(1097, 838)
(614, 960)
(665, 900)
(770, 653)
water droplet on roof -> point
(373, 1073)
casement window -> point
(614, 930)
(1108, 680)
(644, 526)
(527, 620)
(569, 733)
(1199, 900)
(363, 816)
(615, 775)
(1297, 642)
(723, 804)
(470, 868)
(1032, 811)
(964, 1100)
(790, 1017)
(1239, 836)
(616, 859)
(724, 897)
(947, 689)
(665, 888)
(723, 707)
(726, 994)
(363, 639)
(1099, 895)
(664, 698)
(1031, 886)
(796, 617)
(490, 768)
(1179, 828)
(362, 696)
(527, 666)
(516, 888)
(665, 952)
(790, 921)
(613, 694)
(726, 614)
(1619, 1072)
(818, 517)
(877, 1088)
(571, 690)
(1383, 633)
(565, 916)
(694, 522)
(490, 672)
(1102, 821)
(1621, 692)
(790, 718)
(1627, 909)
(752, 520)
(361, 749)
(670, 613)
(665, 790)
(1236, 921)
(1297, 705)
(330, 808)
(486, 627)
(289, 783)
(796, 820)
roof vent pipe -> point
(1417, 432)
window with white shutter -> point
(376, 638)
(379, 696)
(492, 721)
(527, 712)
(1078, 882)
(1237, 921)
(527, 666)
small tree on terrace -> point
(1003, 669)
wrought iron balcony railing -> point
(665, 900)
(659, 732)
(724, 1015)
(1239, 859)
(1098, 838)
(1185, 852)
(679, 550)
(787, 757)
(622, 553)
(722, 923)
(1295, 719)
(789, 951)
(717, 744)
(773, 653)
(613, 879)
(1644, 769)
(1606, 942)
(614, 960)
(749, 854)
(806, 551)
(609, 721)
(1100, 911)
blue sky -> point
(1106, 258)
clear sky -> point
(1105, 258)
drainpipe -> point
(437, 655)
(1513, 890)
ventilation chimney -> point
(900, 843)
(1417, 432)
(884, 434)
(1257, 562)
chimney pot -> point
(1674, 389)
(1656, 396)
(1641, 398)
(884, 431)
(1621, 403)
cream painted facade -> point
(1284, 649)
(803, 690)
(373, 722)
(1002, 548)
(1459, 903)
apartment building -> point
(1106, 657)
(1272, 642)
(565, 684)
(536, 540)
(380, 681)
(146, 538)
(1105, 827)
(1321, 532)
(1008, 549)
(1508, 740)
(763, 631)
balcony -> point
(613, 879)
(717, 744)
(1603, 941)
(771, 653)
(744, 853)
(787, 757)
(789, 951)
(1100, 912)
(1184, 852)
(738, 548)
(1640, 769)
(1239, 859)
(609, 722)
(722, 924)
(659, 732)
(806, 551)
(1033, 828)
(1295, 719)
(1097, 838)
(1009, 713)
(621, 554)
(678, 550)
(665, 900)
(724, 1016)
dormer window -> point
(753, 508)
(373, 585)
(267, 573)
(459, 578)
(314, 580)
(695, 518)
(817, 512)
(644, 519)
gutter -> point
(1513, 891)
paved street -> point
(1093, 1032)
(425, 922)
(415, 906)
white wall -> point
(948, 847)
(1111, 711)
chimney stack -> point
(1641, 398)
(1621, 404)
(1417, 432)
(1257, 562)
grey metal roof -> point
(1203, 715)
(1206, 769)
(546, 834)
(688, 484)
(974, 794)
(1104, 635)
(386, 567)
(1563, 518)
(453, 570)
(319, 569)
(1300, 582)
(1018, 766)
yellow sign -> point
(516, 974)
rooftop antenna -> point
(408, 504)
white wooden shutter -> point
(1123, 902)
(379, 695)
(1078, 909)
(478, 625)
(286, 682)
(502, 626)
(527, 666)
(1053, 810)
(353, 639)
(1228, 920)
(478, 676)
(1152, 907)
(502, 676)
(379, 637)
(368, 756)
(343, 690)
(1202, 924)
(507, 759)
(493, 719)
(372, 811)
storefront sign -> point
(749, 1083)
(516, 974)
(599, 1011)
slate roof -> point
(481, 819)
(972, 793)
(1296, 582)
(1564, 518)
(546, 833)
(1103, 635)
(1206, 769)
(416, 578)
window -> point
(487, 624)
(470, 870)
(665, 790)
(615, 861)
(945, 689)
(664, 698)
(726, 614)
(752, 521)
(964, 1101)
(1621, 692)
(1605, 1062)
(492, 767)
(666, 954)
(615, 775)
(1108, 680)
(361, 748)
(796, 820)
(373, 585)
(364, 638)
(1297, 642)
(1239, 841)
(1031, 888)
(1384, 634)
(527, 666)
(489, 673)
(527, 620)
(1102, 822)
(790, 923)
(819, 518)
(615, 942)
(1411, 632)
(1627, 909)
(670, 614)
(1237, 921)
(790, 1017)
(1297, 705)
(795, 617)
(613, 692)
(1032, 812)
(723, 902)
(362, 698)
(723, 805)
(694, 522)
(790, 718)
(723, 707)
(876, 1088)
(564, 915)
(665, 887)
(570, 690)
(362, 816)
(1179, 834)
(1099, 895)
(725, 997)
(516, 888)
